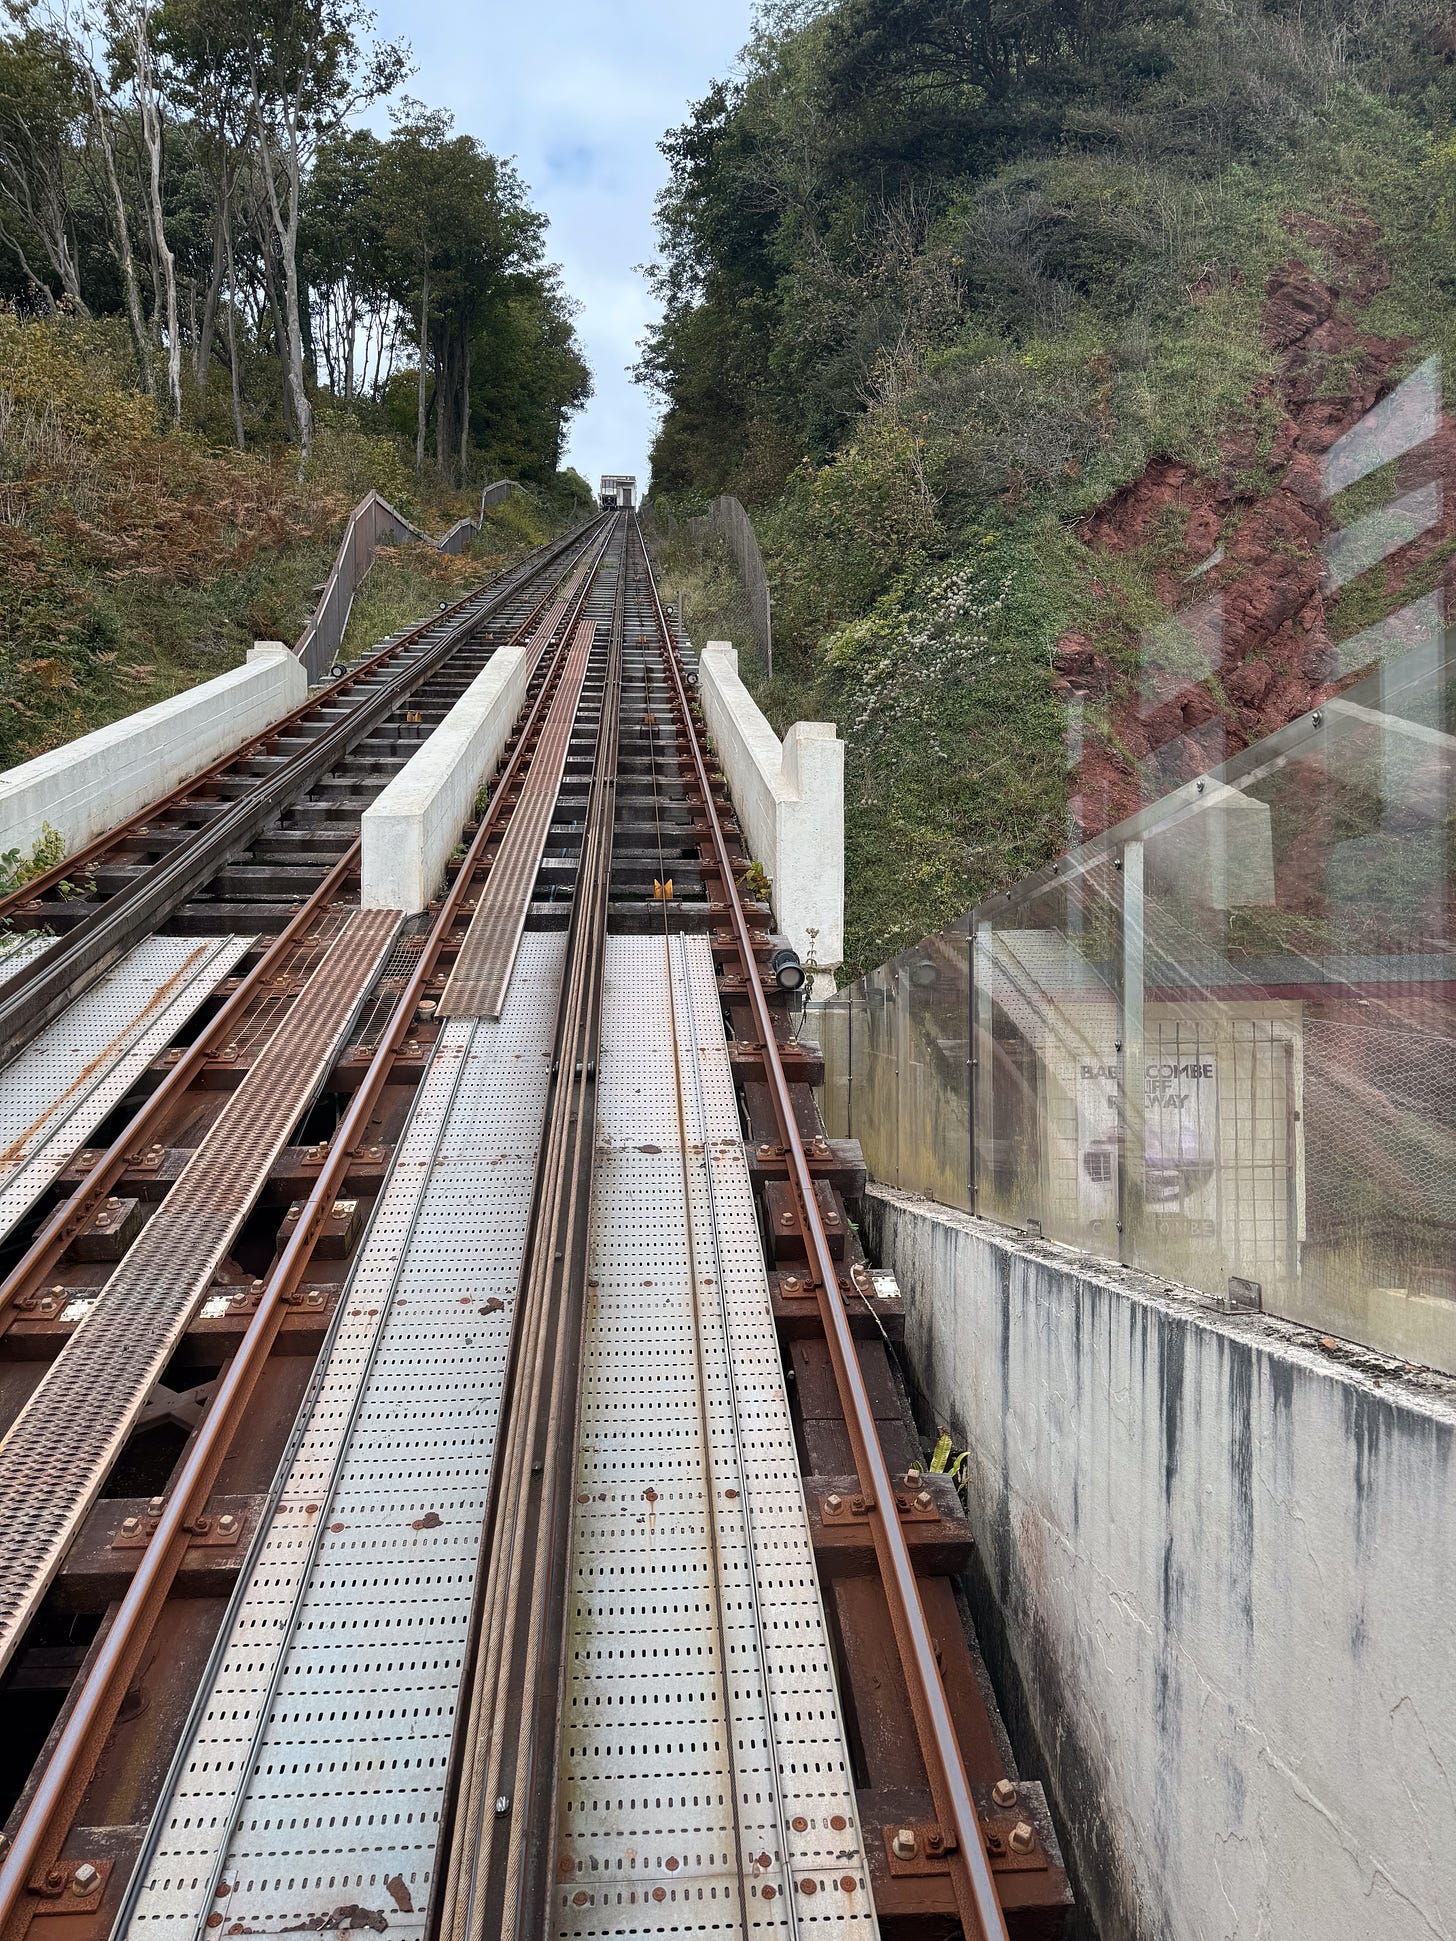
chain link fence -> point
(727, 519)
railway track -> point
(485, 1504)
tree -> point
(41, 107)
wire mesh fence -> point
(727, 519)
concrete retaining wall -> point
(101, 779)
(409, 830)
(790, 799)
(1216, 1583)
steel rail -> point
(978, 1903)
(497, 1848)
(79, 865)
(75, 1214)
(59, 1793)
(29, 1000)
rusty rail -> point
(976, 1896)
(60, 1791)
(40, 991)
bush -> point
(843, 532)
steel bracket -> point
(933, 1849)
(59, 1891)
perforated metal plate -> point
(706, 1786)
(59, 1089)
(19, 950)
(309, 1792)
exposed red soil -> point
(1254, 630)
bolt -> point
(904, 1845)
(923, 1500)
(226, 1525)
(790, 1283)
(834, 1504)
(1021, 1838)
(130, 1525)
(85, 1879)
(156, 1506)
(1004, 1792)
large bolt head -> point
(86, 1879)
(833, 1504)
(1004, 1792)
(1022, 1837)
(904, 1844)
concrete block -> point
(101, 779)
(409, 831)
(790, 799)
(1215, 1571)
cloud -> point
(580, 92)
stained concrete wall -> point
(409, 830)
(1216, 1582)
(93, 783)
(790, 799)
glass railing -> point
(1218, 1041)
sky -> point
(579, 92)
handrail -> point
(373, 523)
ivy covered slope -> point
(1003, 321)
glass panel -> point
(934, 997)
(1048, 1058)
(1299, 1024)
(827, 1025)
(875, 1117)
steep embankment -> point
(135, 562)
(1025, 356)
(1239, 551)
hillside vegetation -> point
(226, 312)
(1003, 320)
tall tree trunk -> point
(443, 361)
(275, 323)
(152, 136)
(202, 354)
(465, 417)
(286, 229)
(122, 244)
(232, 334)
(424, 361)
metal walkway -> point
(101, 1379)
(706, 1786)
(63, 1085)
(324, 1734)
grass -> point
(408, 583)
(137, 561)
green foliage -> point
(135, 563)
(842, 532)
(17, 869)
(936, 280)
(755, 883)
